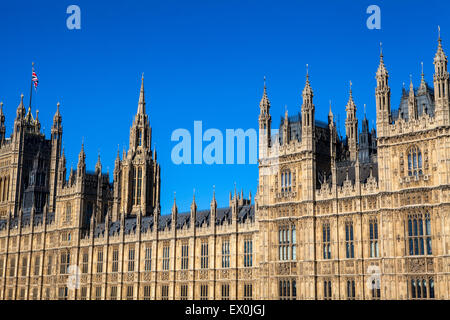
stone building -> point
(360, 217)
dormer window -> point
(414, 162)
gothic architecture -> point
(360, 217)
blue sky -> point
(203, 60)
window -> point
(49, 265)
(373, 235)
(247, 292)
(130, 259)
(139, 185)
(148, 259)
(376, 290)
(414, 162)
(24, 266)
(113, 293)
(146, 292)
(1, 267)
(225, 292)
(129, 292)
(225, 254)
(83, 293)
(99, 261)
(183, 292)
(326, 241)
(65, 261)
(420, 288)
(84, 266)
(349, 246)
(98, 293)
(204, 254)
(184, 256)
(287, 242)
(62, 293)
(22, 294)
(139, 138)
(419, 234)
(287, 289)
(166, 258)
(164, 292)
(115, 260)
(204, 292)
(327, 295)
(248, 253)
(350, 289)
(12, 267)
(37, 266)
(68, 213)
(35, 294)
(286, 181)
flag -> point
(34, 79)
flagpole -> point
(31, 84)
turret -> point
(308, 116)
(351, 126)
(412, 103)
(383, 98)
(2, 125)
(56, 138)
(441, 85)
(265, 121)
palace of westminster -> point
(361, 217)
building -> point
(360, 217)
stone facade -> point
(360, 217)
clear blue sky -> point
(203, 60)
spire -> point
(440, 54)
(2, 115)
(193, 204)
(174, 206)
(57, 117)
(264, 105)
(98, 165)
(307, 91)
(330, 116)
(21, 108)
(141, 104)
(381, 68)
(81, 155)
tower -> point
(265, 121)
(139, 171)
(308, 120)
(412, 103)
(383, 98)
(56, 138)
(2, 125)
(441, 84)
(351, 126)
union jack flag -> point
(34, 78)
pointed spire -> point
(411, 86)
(81, 155)
(307, 90)
(265, 102)
(381, 68)
(330, 116)
(2, 115)
(21, 107)
(141, 104)
(193, 204)
(174, 206)
(98, 165)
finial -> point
(307, 72)
(264, 82)
(32, 64)
(364, 109)
(142, 78)
(439, 33)
(351, 88)
(381, 49)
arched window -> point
(138, 186)
(286, 181)
(419, 241)
(68, 212)
(139, 138)
(414, 162)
